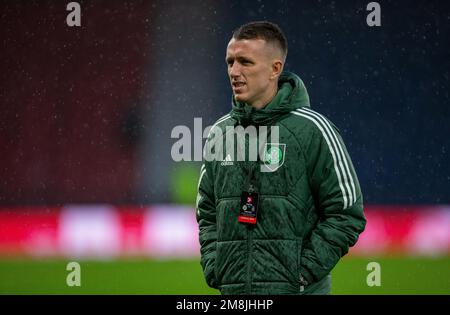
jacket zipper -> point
(249, 231)
(249, 263)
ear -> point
(277, 68)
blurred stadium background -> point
(86, 116)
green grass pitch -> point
(399, 275)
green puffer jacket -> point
(310, 207)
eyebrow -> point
(239, 58)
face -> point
(253, 71)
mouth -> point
(238, 85)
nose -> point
(234, 70)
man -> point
(282, 230)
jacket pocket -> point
(231, 262)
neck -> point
(266, 100)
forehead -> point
(246, 47)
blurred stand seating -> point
(69, 128)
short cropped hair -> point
(268, 31)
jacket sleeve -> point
(206, 218)
(337, 194)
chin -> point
(240, 98)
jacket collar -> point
(291, 95)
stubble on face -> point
(250, 71)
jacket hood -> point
(292, 94)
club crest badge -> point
(274, 154)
